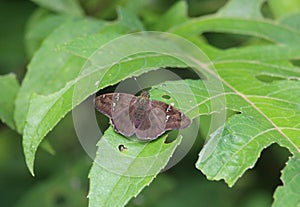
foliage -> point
(251, 89)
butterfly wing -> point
(147, 122)
(152, 126)
(118, 107)
(174, 119)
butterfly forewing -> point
(118, 107)
(103, 104)
(175, 119)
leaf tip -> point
(30, 167)
(29, 158)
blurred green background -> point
(62, 170)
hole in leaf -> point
(166, 97)
(231, 113)
(268, 78)
(226, 41)
(267, 169)
(102, 121)
(151, 78)
(122, 148)
(186, 73)
(294, 78)
(172, 135)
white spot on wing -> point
(117, 97)
(113, 106)
(167, 117)
(169, 108)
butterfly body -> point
(146, 118)
(143, 105)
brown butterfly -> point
(146, 118)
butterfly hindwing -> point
(152, 126)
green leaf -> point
(265, 99)
(242, 8)
(71, 7)
(130, 20)
(103, 69)
(292, 21)
(9, 89)
(115, 172)
(248, 130)
(288, 194)
(266, 30)
(48, 147)
(267, 53)
(262, 94)
(41, 24)
(191, 96)
(117, 176)
(50, 69)
(284, 8)
(177, 14)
